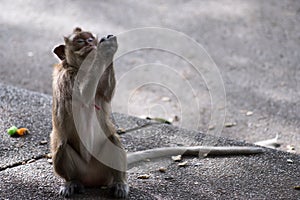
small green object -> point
(12, 130)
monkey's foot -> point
(120, 190)
(70, 188)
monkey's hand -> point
(107, 47)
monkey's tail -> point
(191, 151)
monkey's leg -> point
(69, 165)
(119, 188)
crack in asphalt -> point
(24, 162)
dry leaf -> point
(165, 99)
(249, 113)
(230, 124)
(48, 155)
(182, 164)
(162, 169)
(144, 176)
(43, 142)
(290, 147)
(297, 187)
(177, 158)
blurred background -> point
(254, 44)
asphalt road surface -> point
(252, 48)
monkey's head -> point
(77, 46)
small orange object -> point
(22, 131)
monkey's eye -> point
(90, 39)
(80, 41)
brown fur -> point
(71, 160)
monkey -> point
(76, 158)
(68, 153)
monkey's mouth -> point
(90, 48)
(85, 51)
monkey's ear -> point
(60, 51)
(77, 30)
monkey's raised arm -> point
(93, 67)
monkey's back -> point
(62, 116)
